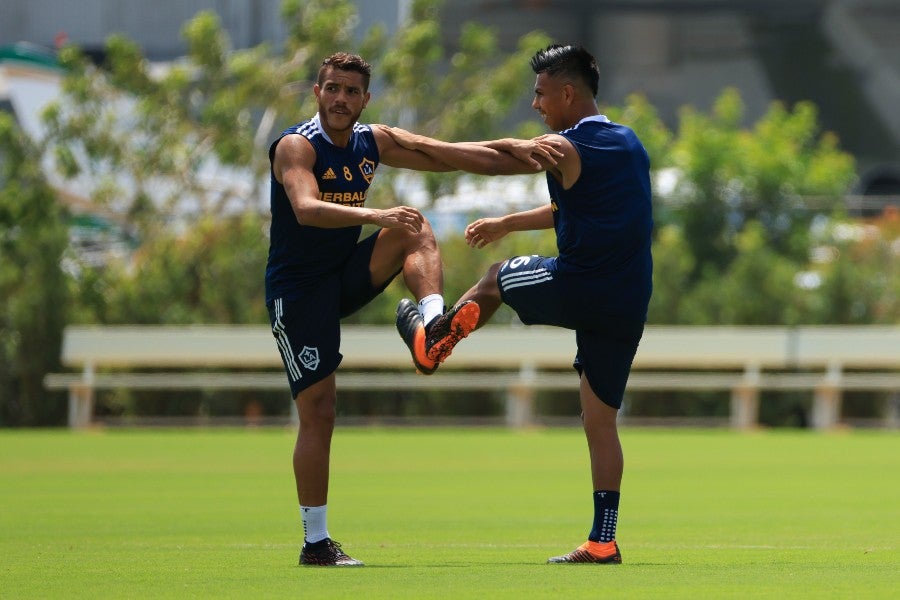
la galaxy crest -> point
(367, 168)
(309, 358)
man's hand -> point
(529, 151)
(399, 217)
(482, 232)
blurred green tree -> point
(855, 274)
(756, 288)
(209, 274)
(780, 173)
(733, 238)
(33, 287)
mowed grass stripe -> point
(449, 513)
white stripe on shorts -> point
(514, 280)
(284, 346)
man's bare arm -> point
(395, 155)
(506, 156)
(482, 232)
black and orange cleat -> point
(326, 553)
(591, 552)
(412, 330)
(444, 332)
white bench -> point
(520, 360)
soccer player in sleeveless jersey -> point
(600, 283)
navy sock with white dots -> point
(606, 513)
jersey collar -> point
(318, 123)
(598, 118)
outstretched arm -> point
(507, 156)
(394, 155)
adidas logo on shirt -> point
(329, 174)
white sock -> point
(431, 307)
(315, 528)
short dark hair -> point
(346, 62)
(573, 61)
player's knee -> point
(318, 412)
(425, 236)
(408, 242)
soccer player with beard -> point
(319, 271)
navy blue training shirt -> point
(604, 221)
(299, 255)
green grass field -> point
(448, 513)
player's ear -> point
(568, 93)
(366, 98)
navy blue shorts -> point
(308, 329)
(606, 344)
